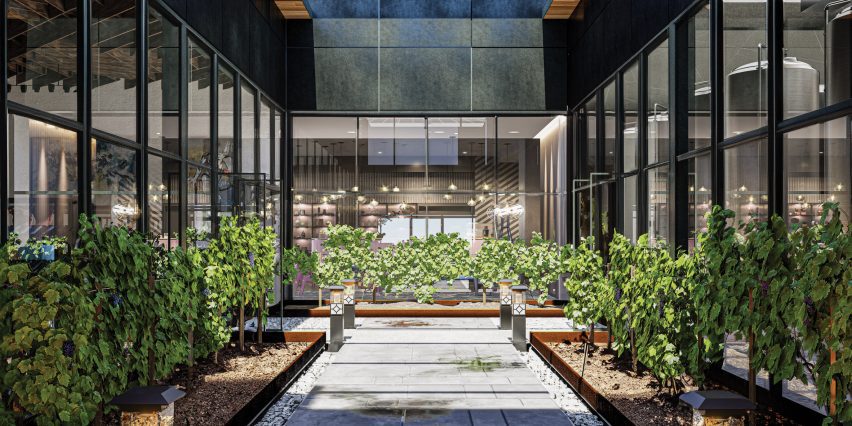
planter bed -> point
(243, 384)
(610, 388)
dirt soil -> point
(215, 392)
(638, 396)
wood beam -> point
(561, 9)
(293, 9)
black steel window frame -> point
(679, 154)
(83, 125)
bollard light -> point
(349, 304)
(505, 304)
(717, 407)
(335, 318)
(519, 317)
(148, 405)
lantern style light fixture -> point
(349, 302)
(148, 405)
(505, 304)
(335, 318)
(519, 317)
(717, 407)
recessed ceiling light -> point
(351, 132)
(380, 152)
(513, 132)
(464, 152)
(438, 132)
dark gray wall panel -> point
(321, 9)
(428, 79)
(301, 80)
(346, 79)
(425, 33)
(507, 33)
(508, 79)
(345, 32)
(509, 8)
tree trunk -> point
(191, 358)
(242, 327)
(319, 297)
(259, 322)
(592, 334)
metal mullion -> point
(619, 151)
(142, 110)
(744, 138)
(822, 115)
(15, 108)
(774, 113)
(642, 148)
(238, 123)
(214, 144)
(287, 186)
(118, 140)
(257, 112)
(4, 125)
(84, 101)
(183, 112)
(678, 176)
(600, 130)
(717, 129)
(694, 153)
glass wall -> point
(700, 196)
(115, 195)
(698, 79)
(745, 65)
(658, 209)
(591, 125)
(225, 119)
(630, 126)
(248, 130)
(746, 170)
(657, 107)
(405, 177)
(42, 46)
(199, 103)
(42, 180)
(609, 136)
(114, 79)
(163, 83)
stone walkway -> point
(428, 371)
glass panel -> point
(631, 118)
(745, 65)
(658, 207)
(745, 180)
(114, 80)
(818, 48)
(198, 189)
(42, 43)
(200, 103)
(115, 197)
(609, 128)
(591, 122)
(163, 83)
(658, 104)
(699, 79)
(265, 139)
(816, 162)
(630, 212)
(700, 195)
(443, 143)
(278, 138)
(42, 180)
(164, 200)
(225, 113)
(247, 129)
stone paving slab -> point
(441, 371)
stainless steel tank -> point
(746, 88)
(838, 43)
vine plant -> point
(541, 264)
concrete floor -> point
(429, 371)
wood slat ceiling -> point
(561, 9)
(293, 9)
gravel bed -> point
(565, 397)
(289, 401)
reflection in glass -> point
(199, 209)
(745, 65)
(114, 80)
(745, 180)
(700, 196)
(818, 46)
(163, 83)
(265, 139)
(248, 132)
(42, 180)
(591, 122)
(630, 212)
(631, 118)
(164, 200)
(115, 197)
(699, 79)
(658, 207)
(658, 104)
(609, 128)
(277, 145)
(225, 113)
(42, 46)
(198, 96)
(817, 160)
